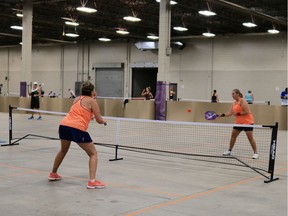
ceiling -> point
(48, 22)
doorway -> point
(143, 77)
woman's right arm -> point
(96, 112)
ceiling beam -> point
(242, 9)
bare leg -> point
(249, 135)
(90, 149)
(65, 145)
(234, 136)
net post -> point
(116, 154)
(272, 154)
(10, 128)
(117, 142)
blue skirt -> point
(73, 134)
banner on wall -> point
(23, 89)
(160, 101)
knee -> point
(92, 153)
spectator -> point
(171, 92)
(215, 98)
(1, 85)
(72, 94)
(147, 93)
(284, 97)
(249, 97)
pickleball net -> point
(189, 140)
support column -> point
(27, 41)
(164, 40)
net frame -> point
(119, 138)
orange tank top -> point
(78, 117)
(242, 119)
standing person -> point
(73, 127)
(284, 97)
(72, 94)
(243, 115)
(147, 93)
(41, 89)
(1, 85)
(215, 98)
(249, 97)
(35, 93)
(171, 92)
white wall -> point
(258, 63)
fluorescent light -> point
(153, 37)
(104, 39)
(124, 32)
(19, 15)
(71, 35)
(171, 2)
(132, 19)
(249, 24)
(180, 28)
(208, 34)
(17, 27)
(207, 13)
(178, 43)
(273, 31)
(86, 9)
(71, 23)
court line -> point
(194, 196)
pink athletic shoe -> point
(95, 185)
(54, 177)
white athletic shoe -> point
(255, 156)
(227, 153)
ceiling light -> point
(171, 2)
(71, 35)
(180, 28)
(273, 31)
(207, 13)
(208, 34)
(153, 37)
(249, 24)
(132, 18)
(178, 43)
(122, 31)
(71, 23)
(104, 39)
(19, 15)
(86, 9)
(16, 27)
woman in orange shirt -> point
(243, 115)
(73, 127)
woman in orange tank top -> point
(73, 128)
(240, 109)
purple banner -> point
(23, 90)
(160, 101)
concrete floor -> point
(140, 184)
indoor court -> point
(140, 184)
(176, 82)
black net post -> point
(116, 154)
(10, 128)
(272, 154)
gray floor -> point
(138, 185)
